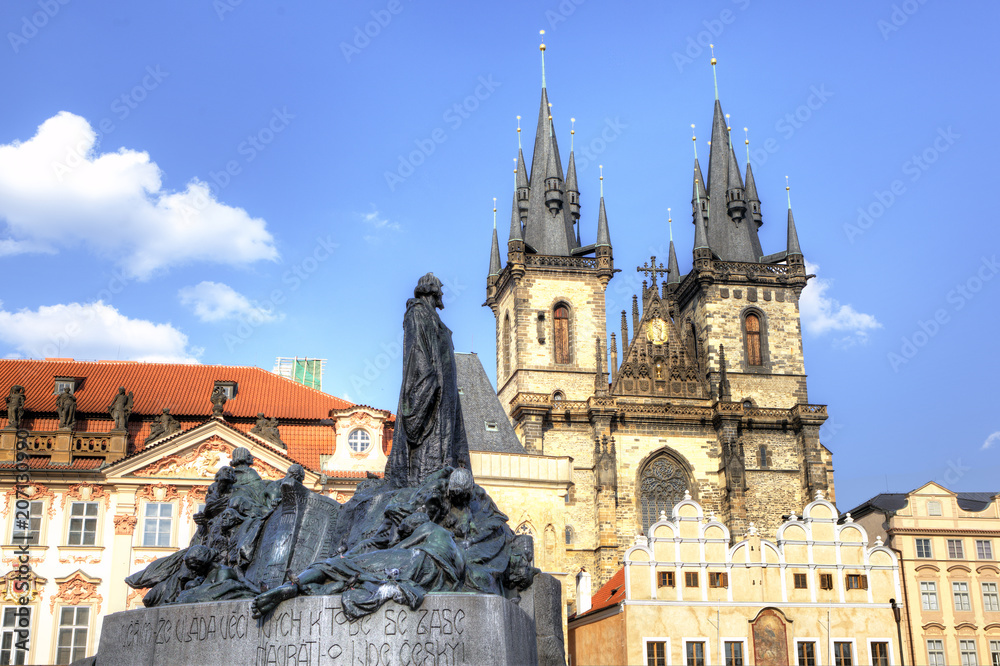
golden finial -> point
(788, 191)
(728, 127)
(494, 213)
(572, 131)
(714, 77)
(746, 133)
(518, 133)
(601, 167)
(694, 141)
(541, 47)
(670, 225)
(515, 173)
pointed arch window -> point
(662, 484)
(561, 322)
(763, 457)
(506, 345)
(752, 325)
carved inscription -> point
(393, 636)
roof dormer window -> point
(228, 388)
(63, 383)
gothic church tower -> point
(704, 394)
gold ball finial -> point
(494, 204)
(786, 184)
(728, 128)
(572, 123)
(712, 46)
(541, 47)
(669, 217)
(747, 133)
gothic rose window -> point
(562, 333)
(661, 485)
(752, 324)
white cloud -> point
(214, 301)
(56, 191)
(822, 313)
(92, 331)
(991, 440)
(379, 225)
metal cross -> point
(653, 269)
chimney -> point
(583, 592)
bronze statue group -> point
(426, 527)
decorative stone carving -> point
(157, 492)
(79, 559)
(77, 589)
(15, 407)
(66, 408)
(662, 484)
(266, 471)
(200, 462)
(33, 492)
(267, 429)
(605, 463)
(86, 492)
(218, 402)
(125, 524)
(14, 585)
(164, 425)
(121, 408)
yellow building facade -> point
(946, 545)
(690, 594)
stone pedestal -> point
(448, 629)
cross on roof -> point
(653, 269)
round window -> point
(359, 440)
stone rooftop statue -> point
(66, 408)
(15, 407)
(121, 408)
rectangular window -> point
(718, 579)
(857, 582)
(880, 654)
(961, 593)
(63, 384)
(984, 549)
(74, 623)
(928, 596)
(156, 527)
(83, 524)
(935, 652)
(955, 549)
(734, 653)
(934, 508)
(28, 532)
(9, 638)
(696, 653)
(924, 548)
(842, 655)
(806, 653)
(991, 602)
(656, 653)
(995, 653)
(801, 581)
(665, 579)
(691, 579)
(825, 581)
(968, 651)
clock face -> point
(656, 331)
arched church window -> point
(569, 535)
(558, 396)
(763, 457)
(662, 484)
(506, 345)
(752, 324)
(561, 321)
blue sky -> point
(228, 182)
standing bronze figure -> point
(429, 431)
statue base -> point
(450, 629)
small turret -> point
(494, 274)
(624, 333)
(613, 351)
(699, 196)
(736, 204)
(753, 201)
(602, 248)
(523, 192)
(572, 190)
(553, 184)
(794, 256)
(673, 270)
(515, 241)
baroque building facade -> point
(705, 390)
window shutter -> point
(725, 580)
(864, 582)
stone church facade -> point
(700, 389)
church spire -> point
(602, 248)
(572, 190)
(495, 250)
(794, 255)
(753, 201)
(603, 234)
(675, 272)
(699, 197)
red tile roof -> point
(611, 593)
(185, 389)
(45, 462)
